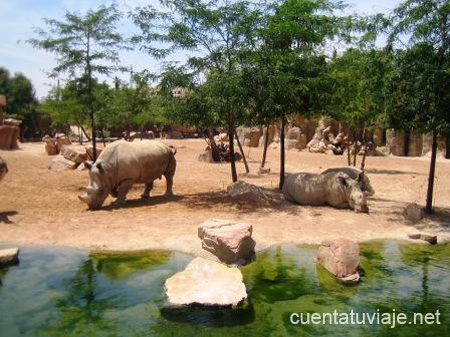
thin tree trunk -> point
(103, 137)
(429, 203)
(355, 148)
(282, 153)
(363, 160)
(242, 152)
(349, 160)
(85, 133)
(266, 145)
(231, 132)
(80, 134)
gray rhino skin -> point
(122, 164)
(336, 189)
(3, 168)
(356, 174)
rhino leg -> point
(148, 188)
(170, 172)
(122, 191)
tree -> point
(293, 44)
(419, 86)
(85, 45)
(218, 32)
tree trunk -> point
(349, 146)
(266, 145)
(242, 153)
(103, 137)
(282, 153)
(85, 133)
(429, 203)
(363, 160)
(447, 147)
(80, 134)
(231, 132)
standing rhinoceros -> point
(356, 174)
(3, 168)
(122, 164)
(336, 189)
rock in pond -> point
(230, 241)
(9, 256)
(206, 283)
(341, 258)
(425, 237)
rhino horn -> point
(84, 198)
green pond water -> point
(69, 292)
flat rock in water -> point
(9, 256)
(230, 241)
(425, 237)
(341, 258)
(206, 283)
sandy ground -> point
(40, 207)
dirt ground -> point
(41, 207)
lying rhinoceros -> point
(3, 168)
(357, 174)
(122, 164)
(336, 189)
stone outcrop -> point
(61, 140)
(425, 237)
(174, 135)
(59, 163)
(90, 151)
(341, 258)
(9, 256)
(206, 156)
(413, 213)
(142, 135)
(50, 146)
(249, 136)
(75, 153)
(230, 241)
(243, 192)
(9, 134)
(295, 139)
(206, 283)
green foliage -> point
(19, 93)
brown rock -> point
(90, 151)
(9, 256)
(50, 146)
(230, 241)
(206, 156)
(174, 135)
(413, 213)
(340, 257)
(59, 163)
(425, 237)
(241, 191)
(3, 168)
(75, 153)
(206, 283)
(62, 140)
(8, 137)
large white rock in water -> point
(206, 283)
(341, 258)
(9, 256)
(230, 241)
(242, 192)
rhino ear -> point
(88, 164)
(100, 167)
(343, 180)
(360, 176)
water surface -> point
(69, 292)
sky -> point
(19, 17)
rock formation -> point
(243, 192)
(230, 241)
(206, 283)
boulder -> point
(206, 283)
(62, 140)
(230, 241)
(50, 146)
(9, 256)
(8, 137)
(249, 136)
(264, 170)
(3, 168)
(413, 213)
(142, 135)
(341, 258)
(383, 151)
(425, 237)
(59, 163)
(75, 153)
(206, 156)
(241, 191)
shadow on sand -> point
(381, 171)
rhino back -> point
(305, 189)
(140, 161)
